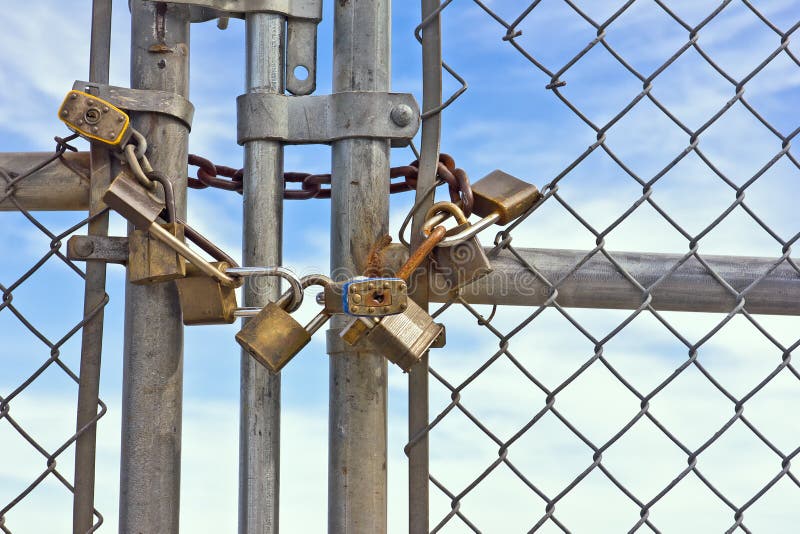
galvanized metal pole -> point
(418, 459)
(94, 294)
(153, 358)
(259, 423)
(360, 215)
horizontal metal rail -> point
(599, 284)
(62, 185)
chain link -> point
(548, 505)
(50, 360)
(313, 185)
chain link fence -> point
(41, 318)
(554, 419)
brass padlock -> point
(366, 297)
(500, 195)
(499, 199)
(95, 119)
(273, 337)
(130, 199)
(204, 300)
(464, 262)
(402, 338)
(152, 261)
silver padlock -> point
(402, 338)
(272, 336)
(464, 262)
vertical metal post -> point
(418, 458)
(360, 215)
(94, 295)
(152, 387)
(259, 423)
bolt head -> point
(84, 248)
(357, 298)
(354, 309)
(402, 115)
(371, 309)
(64, 112)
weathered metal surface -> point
(357, 498)
(101, 164)
(325, 118)
(99, 248)
(262, 188)
(152, 390)
(150, 100)
(61, 186)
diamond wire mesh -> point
(11, 179)
(593, 460)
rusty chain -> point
(312, 185)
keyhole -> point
(92, 115)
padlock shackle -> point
(205, 244)
(169, 196)
(466, 234)
(432, 240)
(442, 207)
(194, 258)
(295, 292)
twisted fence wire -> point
(10, 180)
(459, 517)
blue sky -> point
(508, 120)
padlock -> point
(464, 262)
(130, 199)
(402, 338)
(273, 337)
(501, 195)
(204, 300)
(95, 119)
(366, 297)
(152, 261)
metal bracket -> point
(146, 100)
(301, 28)
(327, 118)
(98, 248)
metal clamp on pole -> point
(302, 18)
(346, 115)
(146, 100)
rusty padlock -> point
(464, 262)
(150, 260)
(403, 338)
(273, 337)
